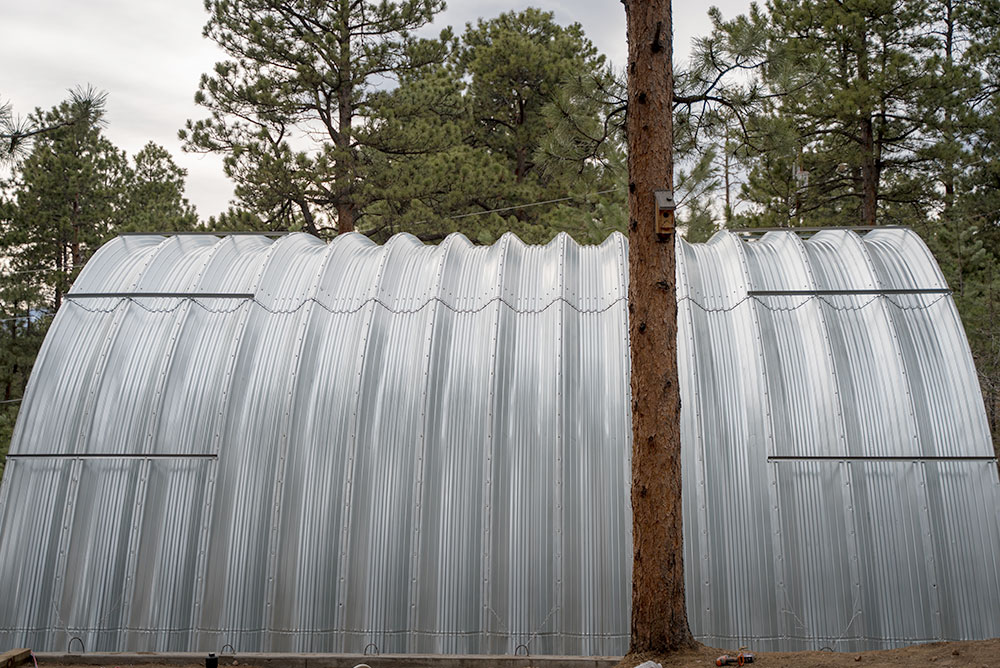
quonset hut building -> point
(288, 445)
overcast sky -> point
(149, 54)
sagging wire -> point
(806, 299)
(760, 300)
(346, 311)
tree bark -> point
(60, 270)
(728, 213)
(659, 616)
(75, 247)
(869, 174)
(344, 169)
(869, 159)
(949, 114)
(308, 220)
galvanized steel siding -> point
(839, 485)
(427, 448)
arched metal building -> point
(288, 445)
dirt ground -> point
(975, 654)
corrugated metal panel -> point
(825, 436)
(426, 448)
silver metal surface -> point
(427, 448)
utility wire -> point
(514, 307)
(521, 206)
(525, 206)
(31, 318)
(419, 222)
(28, 271)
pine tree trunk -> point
(308, 220)
(869, 174)
(345, 109)
(8, 385)
(60, 271)
(949, 109)
(728, 213)
(75, 249)
(659, 616)
(869, 159)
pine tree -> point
(853, 83)
(285, 108)
(23, 324)
(154, 194)
(235, 219)
(68, 195)
(72, 192)
(695, 190)
(542, 104)
(17, 134)
(961, 228)
(422, 171)
(63, 195)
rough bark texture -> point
(659, 616)
(949, 110)
(869, 161)
(343, 171)
(869, 174)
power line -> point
(30, 318)
(31, 271)
(501, 209)
(525, 206)
(521, 206)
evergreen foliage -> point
(539, 96)
(68, 197)
(394, 133)
(154, 194)
(334, 116)
(71, 192)
(286, 108)
(17, 134)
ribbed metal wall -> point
(839, 484)
(427, 448)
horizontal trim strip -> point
(887, 291)
(161, 295)
(107, 455)
(880, 458)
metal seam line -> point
(853, 228)
(881, 458)
(161, 295)
(109, 455)
(887, 291)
